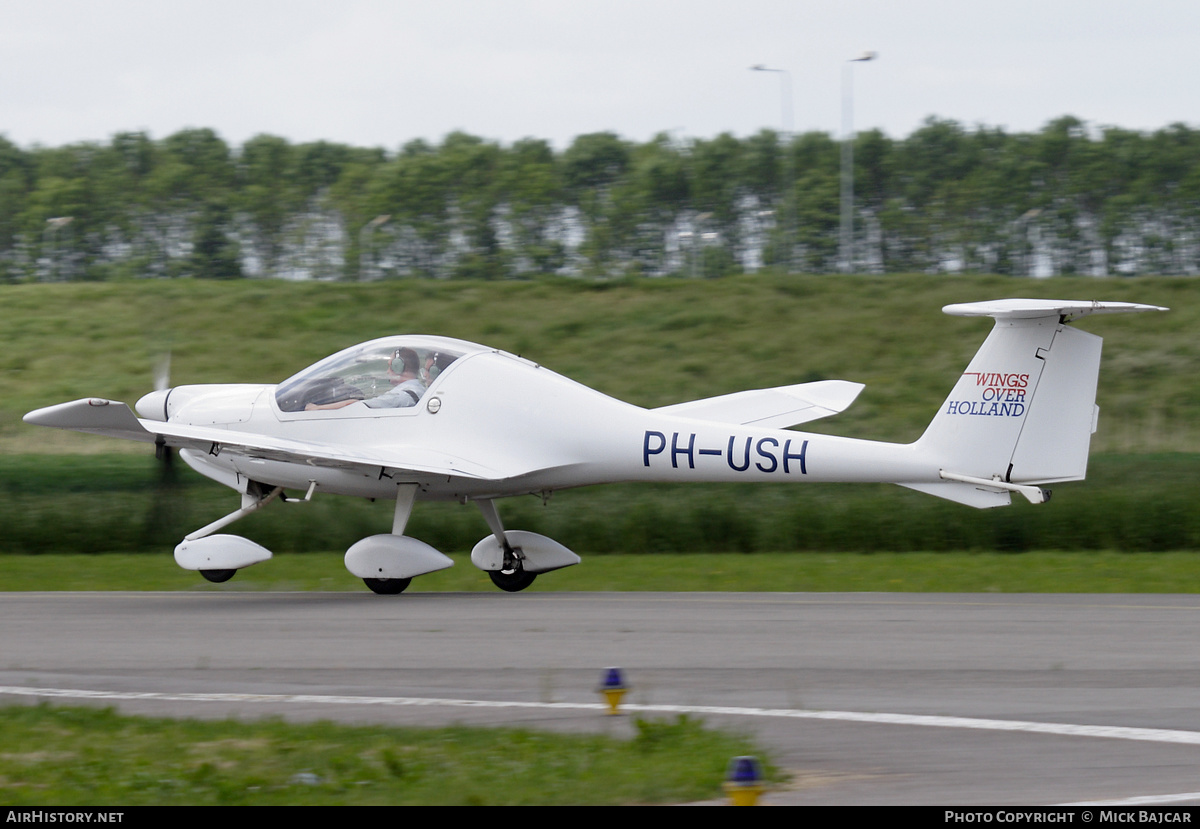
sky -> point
(384, 72)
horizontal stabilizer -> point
(1024, 309)
(775, 408)
(972, 495)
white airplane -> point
(410, 418)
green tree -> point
(717, 188)
(593, 166)
(472, 175)
(194, 174)
(16, 181)
(815, 194)
(414, 190)
(215, 255)
(532, 187)
(357, 198)
(269, 193)
(767, 174)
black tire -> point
(512, 581)
(218, 576)
(387, 587)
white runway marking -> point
(1154, 735)
(1145, 800)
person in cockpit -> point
(435, 363)
(403, 373)
(407, 388)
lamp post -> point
(789, 184)
(847, 240)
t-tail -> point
(1023, 413)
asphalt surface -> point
(866, 698)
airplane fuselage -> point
(505, 413)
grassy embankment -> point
(650, 342)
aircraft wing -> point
(775, 408)
(115, 419)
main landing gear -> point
(388, 587)
(513, 558)
(510, 576)
(512, 581)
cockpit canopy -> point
(389, 373)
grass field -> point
(1099, 571)
(61, 756)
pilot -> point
(406, 391)
(407, 388)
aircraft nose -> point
(153, 406)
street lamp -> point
(847, 241)
(785, 89)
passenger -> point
(435, 364)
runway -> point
(866, 698)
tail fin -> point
(1024, 411)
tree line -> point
(1069, 199)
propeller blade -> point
(162, 372)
